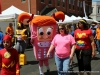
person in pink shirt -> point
(62, 43)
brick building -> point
(70, 7)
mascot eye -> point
(49, 30)
(41, 32)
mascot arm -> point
(32, 40)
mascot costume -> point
(9, 62)
(43, 29)
(21, 36)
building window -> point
(42, 1)
(81, 5)
(90, 9)
(69, 1)
(73, 2)
(98, 10)
(58, 3)
(78, 5)
(23, 0)
(63, 3)
(50, 1)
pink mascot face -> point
(45, 33)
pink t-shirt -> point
(63, 45)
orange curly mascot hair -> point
(42, 20)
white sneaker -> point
(98, 53)
(41, 74)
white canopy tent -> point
(73, 17)
(88, 20)
(79, 17)
(96, 21)
(12, 10)
(76, 20)
(67, 20)
(11, 14)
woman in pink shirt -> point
(62, 43)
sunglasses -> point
(61, 28)
(79, 23)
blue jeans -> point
(98, 45)
(20, 46)
(62, 65)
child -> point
(9, 62)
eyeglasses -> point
(61, 28)
(79, 23)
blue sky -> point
(95, 0)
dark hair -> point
(76, 26)
(69, 26)
(63, 26)
(10, 23)
(84, 22)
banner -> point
(84, 9)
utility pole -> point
(29, 6)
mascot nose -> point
(46, 37)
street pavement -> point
(31, 68)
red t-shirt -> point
(82, 38)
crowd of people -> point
(83, 41)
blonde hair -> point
(82, 21)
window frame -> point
(63, 3)
(58, 3)
(49, 1)
(98, 9)
(42, 1)
(69, 1)
(23, 0)
(73, 3)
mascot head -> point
(41, 19)
(44, 26)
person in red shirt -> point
(9, 61)
(85, 47)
